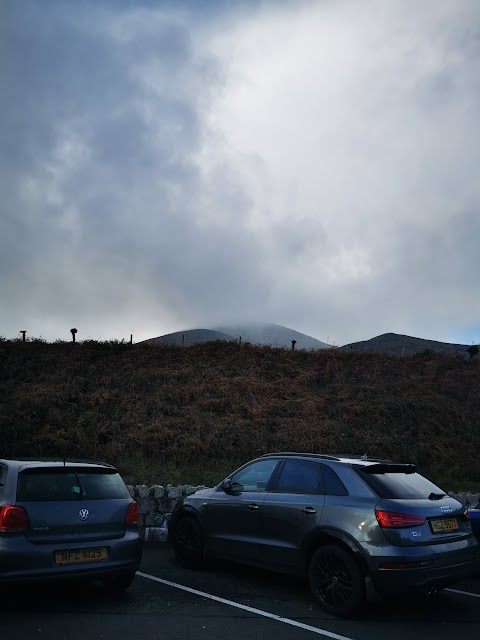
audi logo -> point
(83, 514)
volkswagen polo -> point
(67, 519)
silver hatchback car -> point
(63, 519)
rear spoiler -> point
(388, 468)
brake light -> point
(13, 519)
(131, 518)
(389, 520)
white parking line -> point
(259, 612)
(464, 593)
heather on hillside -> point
(211, 404)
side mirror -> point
(226, 485)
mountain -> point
(397, 344)
(260, 333)
(192, 336)
(272, 334)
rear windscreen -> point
(46, 485)
(409, 486)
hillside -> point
(194, 410)
(275, 335)
(397, 344)
(258, 333)
(187, 338)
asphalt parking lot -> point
(223, 601)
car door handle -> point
(252, 507)
(309, 510)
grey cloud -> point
(112, 216)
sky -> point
(170, 165)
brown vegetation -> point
(215, 404)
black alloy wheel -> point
(188, 543)
(336, 581)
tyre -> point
(118, 583)
(336, 581)
(188, 543)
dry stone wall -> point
(155, 504)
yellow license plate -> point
(77, 556)
(447, 524)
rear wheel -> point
(336, 581)
(188, 543)
(118, 583)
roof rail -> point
(353, 456)
(296, 453)
(326, 456)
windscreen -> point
(409, 486)
(67, 484)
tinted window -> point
(410, 486)
(3, 470)
(299, 477)
(332, 483)
(255, 477)
(46, 485)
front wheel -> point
(188, 543)
(336, 581)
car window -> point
(333, 486)
(3, 470)
(46, 485)
(255, 477)
(298, 476)
(411, 486)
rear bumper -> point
(22, 561)
(450, 566)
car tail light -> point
(466, 514)
(132, 514)
(13, 519)
(389, 520)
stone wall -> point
(155, 504)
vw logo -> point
(446, 509)
(83, 514)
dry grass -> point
(211, 405)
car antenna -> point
(364, 457)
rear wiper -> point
(436, 496)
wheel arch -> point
(333, 536)
(183, 512)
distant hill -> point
(397, 344)
(186, 338)
(271, 334)
(261, 333)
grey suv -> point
(354, 526)
(67, 519)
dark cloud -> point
(168, 165)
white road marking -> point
(259, 612)
(464, 593)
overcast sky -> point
(175, 165)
